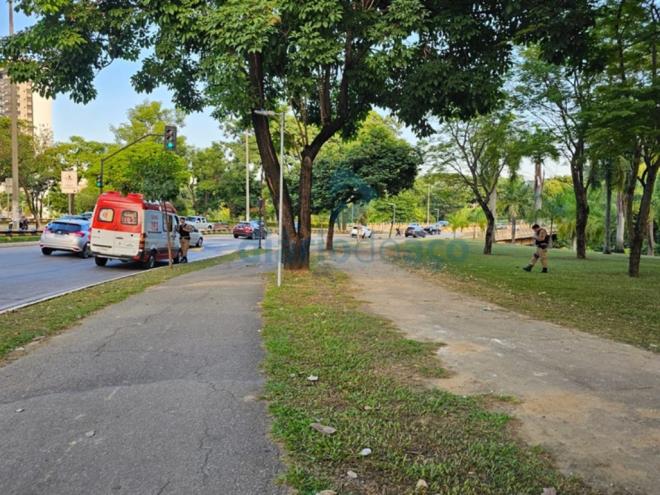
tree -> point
(627, 113)
(376, 163)
(330, 60)
(539, 145)
(516, 202)
(558, 97)
(478, 151)
(458, 220)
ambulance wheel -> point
(100, 261)
(177, 259)
(150, 262)
(46, 251)
(200, 241)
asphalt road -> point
(157, 394)
(26, 275)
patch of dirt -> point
(593, 404)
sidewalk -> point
(593, 403)
(155, 395)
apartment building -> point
(32, 108)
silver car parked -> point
(66, 234)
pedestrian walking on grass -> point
(541, 240)
(184, 238)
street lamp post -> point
(270, 113)
(13, 103)
(247, 178)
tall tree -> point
(377, 163)
(330, 60)
(516, 199)
(539, 145)
(479, 150)
(627, 115)
(558, 97)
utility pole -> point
(15, 204)
(428, 205)
(247, 178)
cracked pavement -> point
(154, 395)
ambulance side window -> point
(129, 217)
(154, 223)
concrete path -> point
(594, 403)
(155, 395)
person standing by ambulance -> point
(184, 238)
(542, 241)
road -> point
(26, 275)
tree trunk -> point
(513, 229)
(629, 191)
(651, 237)
(640, 227)
(331, 229)
(620, 223)
(581, 202)
(608, 212)
(538, 188)
(552, 220)
(490, 231)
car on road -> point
(201, 223)
(66, 234)
(129, 228)
(361, 230)
(415, 230)
(436, 228)
(196, 238)
(250, 230)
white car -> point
(362, 231)
(196, 238)
(201, 223)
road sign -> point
(69, 182)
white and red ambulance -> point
(128, 228)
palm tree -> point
(516, 201)
(458, 220)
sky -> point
(116, 96)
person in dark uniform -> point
(184, 238)
(542, 241)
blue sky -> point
(115, 97)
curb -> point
(18, 244)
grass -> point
(370, 390)
(19, 238)
(594, 295)
(22, 326)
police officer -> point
(184, 238)
(542, 240)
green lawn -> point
(594, 295)
(47, 318)
(369, 390)
(19, 238)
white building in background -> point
(32, 108)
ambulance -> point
(129, 228)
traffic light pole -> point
(106, 158)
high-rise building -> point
(32, 108)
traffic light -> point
(169, 138)
(99, 181)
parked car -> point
(201, 223)
(128, 228)
(66, 234)
(196, 238)
(436, 228)
(415, 230)
(250, 230)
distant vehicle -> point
(436, 228)
(196, 238)
(201, 223)
(128, 228)
(66, 234)
(87, 214)
(361, 230)
(415, 230)
(250, 230)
